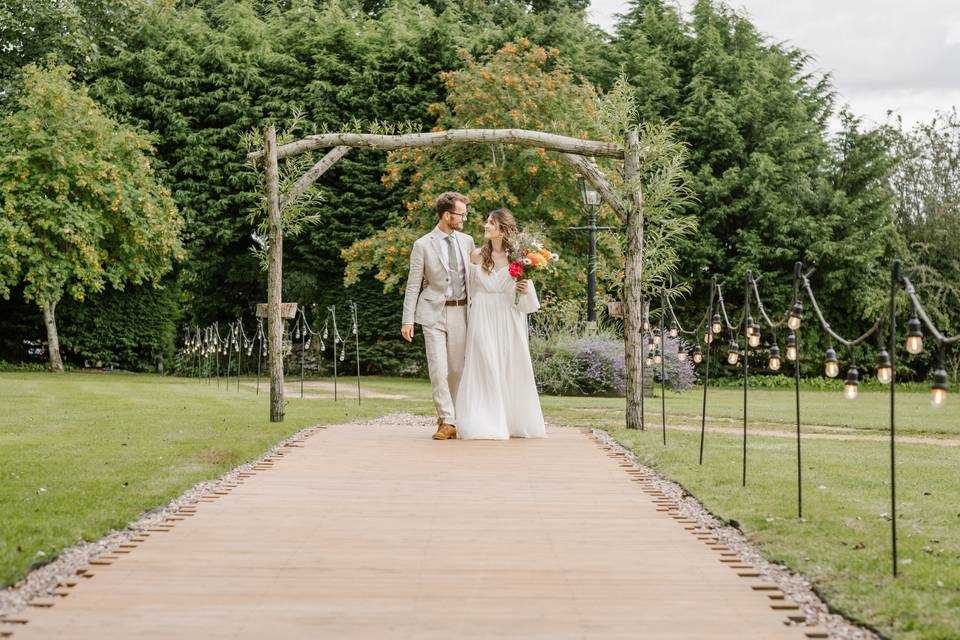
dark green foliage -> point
(134, 329)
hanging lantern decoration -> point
(852, 385)
(938, 389)
(830, 365)
(774, 362)
(733, 356)
(715, 325)
(793, 318)
(914, 336)
(708, 336)
(674, 329)
(697, 355)
(792, 347)
(884, 368)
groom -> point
(440, 258)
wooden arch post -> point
(574, 152)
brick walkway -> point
(380, 532)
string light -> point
(914, 336)
(754, 338)
(830, 366)
(852, 386)
(796, 313)
(792, 347)
(656, 338)
(708, 336)
(657, 358)
(774, 363)
(715, 325)
(938, 390)
(734, 354)
(884, 368)
(649, 360)
(697, 355)
(681, 353)
(674, 329)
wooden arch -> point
(574, 152)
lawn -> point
(843, 542)
(81, 454)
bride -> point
(497, 397)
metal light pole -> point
(591, 202)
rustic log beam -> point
(524, 137)
(633, 284)
(592, 173)
(274, 276)
(312, 175)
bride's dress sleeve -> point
(528, 302)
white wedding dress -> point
(497, 397)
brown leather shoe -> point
(445, 432)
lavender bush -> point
(566, 364)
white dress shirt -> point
(444, 259)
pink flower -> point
(515, 269)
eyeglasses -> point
(462, 215)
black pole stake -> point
(894, 280)
(746, 367)
(333, 311)
(240, 348)
(643, 315)
(797, 270)
(259, 361)
(706, 375)
(303, 349)
(356, 334)
(663, 351)
(226, 384)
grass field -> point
(81, 454)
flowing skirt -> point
(497, 397)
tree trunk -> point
(53, 339)
(274, 277)
(632, 288)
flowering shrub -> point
(567, 365)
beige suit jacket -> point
(425, 307)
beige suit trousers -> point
(446, 341)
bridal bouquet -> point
(533, 256)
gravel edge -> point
(795, 586)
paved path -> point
(380, 532)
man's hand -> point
(407, 332)
(522, 286)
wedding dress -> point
(497, 397)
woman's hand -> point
(522, 286)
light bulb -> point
(852, 385)
(792, 348)
(656, 339)
(734, 355)
(646, 325)
(682, 356)
(708, 337)
(674, 329)
(914, 336)
(830, 366)
(751, 326)
(884, 369)
(774, 363)
(715, 325)
(657, 359)
(697, 355)
(796, 313)
(649, 361)
(754, 339)
(938, 390)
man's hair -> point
(447, 200)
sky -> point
(882, 55)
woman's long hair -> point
(507, 224)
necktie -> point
(455, 279)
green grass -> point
(843, 542)
(81, 454)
